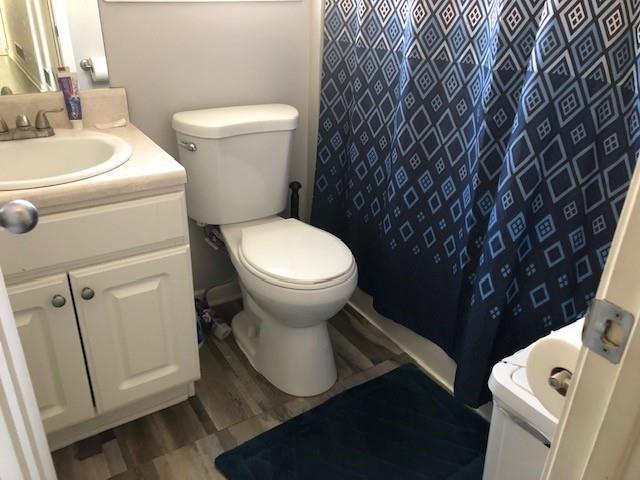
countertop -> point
(149, 168)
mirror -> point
(38, 36)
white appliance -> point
(521, 428)
(293, 276)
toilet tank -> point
(237, 161)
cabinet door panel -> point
(139, 325)
(52, 347)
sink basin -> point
(68, 156)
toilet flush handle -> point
(188, 145)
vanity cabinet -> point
(136, 317)
(48, 330)
(103, 300)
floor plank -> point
(139, 441)
(220, 397)
(371, 341)
(266, 395)
(347, 351)
(248, 429)
(371, 373)
(113, 456)
(188, 463)
(233, 403)
(178, 426)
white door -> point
(599, 431)
(46, 322)
(24, 453)
(137, 321)
(3, 36)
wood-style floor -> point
(233, 403)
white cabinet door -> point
(138, 324)
(51, 344)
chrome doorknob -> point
(87, 293)
(58, 301)
(18, 216)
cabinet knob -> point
(58, 301)
(87, 293)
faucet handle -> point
(4, 128)
(42, 122)
(22, 121)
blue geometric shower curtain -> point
(475, 156)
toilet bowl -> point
(293, 277)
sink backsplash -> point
(100, 105)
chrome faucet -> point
(24, 130)
(5, 133)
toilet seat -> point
(292, 254)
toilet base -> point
(245, 328)
(298, 361)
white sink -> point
(68, 156)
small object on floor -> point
(220, 329)
(401, 425)
(208, 322)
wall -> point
(180, 56)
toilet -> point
(521, 428)
(293, 276)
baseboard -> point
(424, 352)
(100, 423)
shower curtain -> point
(475, 156)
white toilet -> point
(294, 277)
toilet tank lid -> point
(230, 121)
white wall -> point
(180, 56)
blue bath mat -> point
(401, 425)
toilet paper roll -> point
(99, 72)
(558, 350)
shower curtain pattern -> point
(475, 155)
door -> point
(599, 430)
(138, 324)
(23, 446)
(48, 331)
(3, 36)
